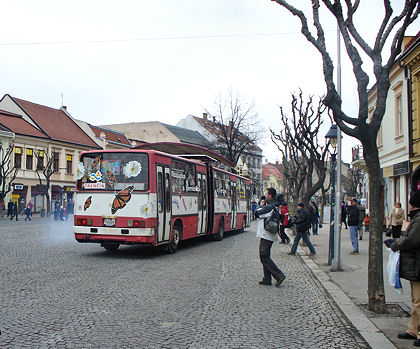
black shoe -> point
(280, 281)
(406, 335)
(262, 282)
(291, 253)
(416, 343)
(288, 241)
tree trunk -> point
(376, 292)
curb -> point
(367, 329)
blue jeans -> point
(305, 237)
(314, 228)
(353, 237)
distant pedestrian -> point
(14, 211)
(22, 206)
(362, 214)
(409, 247)
(28, 211)
(254, 206)
(366, 222)
(396, 220)
(314, 215)
(343, 214)
(270, 269)
(353, 221)
(56, 210)
(303, 224)
(284, 211)
(9, 208)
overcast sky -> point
(137, 60)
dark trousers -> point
(269, 267)
(283, 235)
(396, 231)
(13, 215)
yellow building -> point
(411, 60)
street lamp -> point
(334, 255)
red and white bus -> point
(143, 196)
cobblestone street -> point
(57, 293)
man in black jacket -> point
(303, 224)
(353, 222)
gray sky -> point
(137, 60)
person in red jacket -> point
(284, 211)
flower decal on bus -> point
(132, 169)
(80, 170)
(147, 209)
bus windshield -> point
(113, 171)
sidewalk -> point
(351, 293)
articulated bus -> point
(143, 196)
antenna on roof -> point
(62, 99)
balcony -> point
(357, 159)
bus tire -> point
(110, 247)
(173, 245)
(221, 232)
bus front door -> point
(163, 193)
(202, 204)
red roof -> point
(56, 123)
(271, 169)
(111, 135)
(18, 125)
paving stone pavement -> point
(57, 293)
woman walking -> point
(314, 214)
(396, 220)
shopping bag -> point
(392, 270)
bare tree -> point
(47, 170)
(8, 170)
(391, 30)
(237, 126)
(299, 138)
(352, 184)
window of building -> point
(69, 167)
(56, 161)
(379, 140)
(398, 116)
(29, 159)
(40, 160)
(18, 157)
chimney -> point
(64, 108)
(205, 116)
(214, 119)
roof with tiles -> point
(15, 123)
(271, 169)
(55, 123)
(111, 135)
(211, 126)
(187, 136)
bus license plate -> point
(109, 222)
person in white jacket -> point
(270, 269)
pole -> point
(336, 264)
(332, 215)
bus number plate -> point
(109, 222)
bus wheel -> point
(174, 243)
(110, 247)
(220, 232)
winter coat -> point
(397, 216)
(285, 214)
(409, 247)
(314, 214)
(353, 215)
(261, 213)
(302, 220)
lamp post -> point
(331, 137)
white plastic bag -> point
(392, 270)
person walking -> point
(409, 247)
(28, 211)
(270, 269)
(343, 214)
(9, 208)
(14, 212)
(284, 212)
(353, 221)
(362, 214)
(396, 220)
(314, 215)
(366, 222)
(303, 224)
(254, 206)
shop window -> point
(18, 157)
(29, 159)
(69, 167)
(56, 162)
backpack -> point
(272, 223)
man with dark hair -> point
(409, 247)
(353, 222)
(303, 224)
(270, 269)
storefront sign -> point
(401, 168)
(28, 151)
(18, 186)
(18, 150)
(68, 157)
